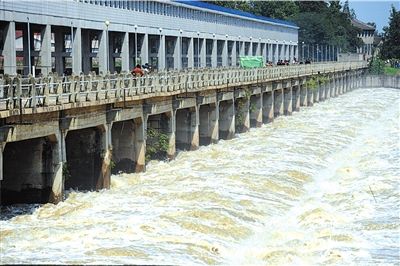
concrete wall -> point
(369, 81)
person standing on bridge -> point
(137, 71)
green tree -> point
(320, 22)
(275, 9)
(377, 66)
(391, 37)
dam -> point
(72, 132)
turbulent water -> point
(320, 187)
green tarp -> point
(251, 61)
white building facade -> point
(74, 36)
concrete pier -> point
(256, 110)
(268, 107)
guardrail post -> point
(32, 84)
(17, 92)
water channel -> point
(320, 187)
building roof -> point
(201, 4)
(361, 25)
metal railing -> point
(52, 90)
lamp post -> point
(227, 51)
(180, 49)
(240, 47)
(107, 45)
(72, 48)
(251, 46)
(198, 49)
(29, 46)
(160, 50)
(136, 46)
(214, 56)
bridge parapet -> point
(30, 95)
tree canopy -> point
(391, 36)
(320, 22)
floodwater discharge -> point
(320, 187)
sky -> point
(374, 11)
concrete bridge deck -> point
(53, 93)
(73, 132)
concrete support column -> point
(246, 122)
(103, 48)
(335, 86)
(296, 51)
(140, 144)
(287, 52)
(256, 110)
(321, 92)
(178, 53)
(194, 128)
(226, 119)
(208, 119)
(250, 49)
(268, 107)
(161, 53)
(278, 102)
(291, 53)
(310, 96)
(214, 54)
(191, 53)
(26, 48)
(57, 188)
(9, 52)
(214, 123)
(203, 50)
(282, 53)
(276, 53)
(258, 50)
(296, 98)
(316, 94)
(77, 51)
(342, 88)
(45, 50)
(328, 89)
(144, 54)
(233, 55)
(287, 99)
(105, 173)
(59, 42)
(225, 53)
(269, 52)
(265, 55)
(125, 54)
(303, 95)
(242, 49)
(171, 143)
(242, 115)
(86, 50)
